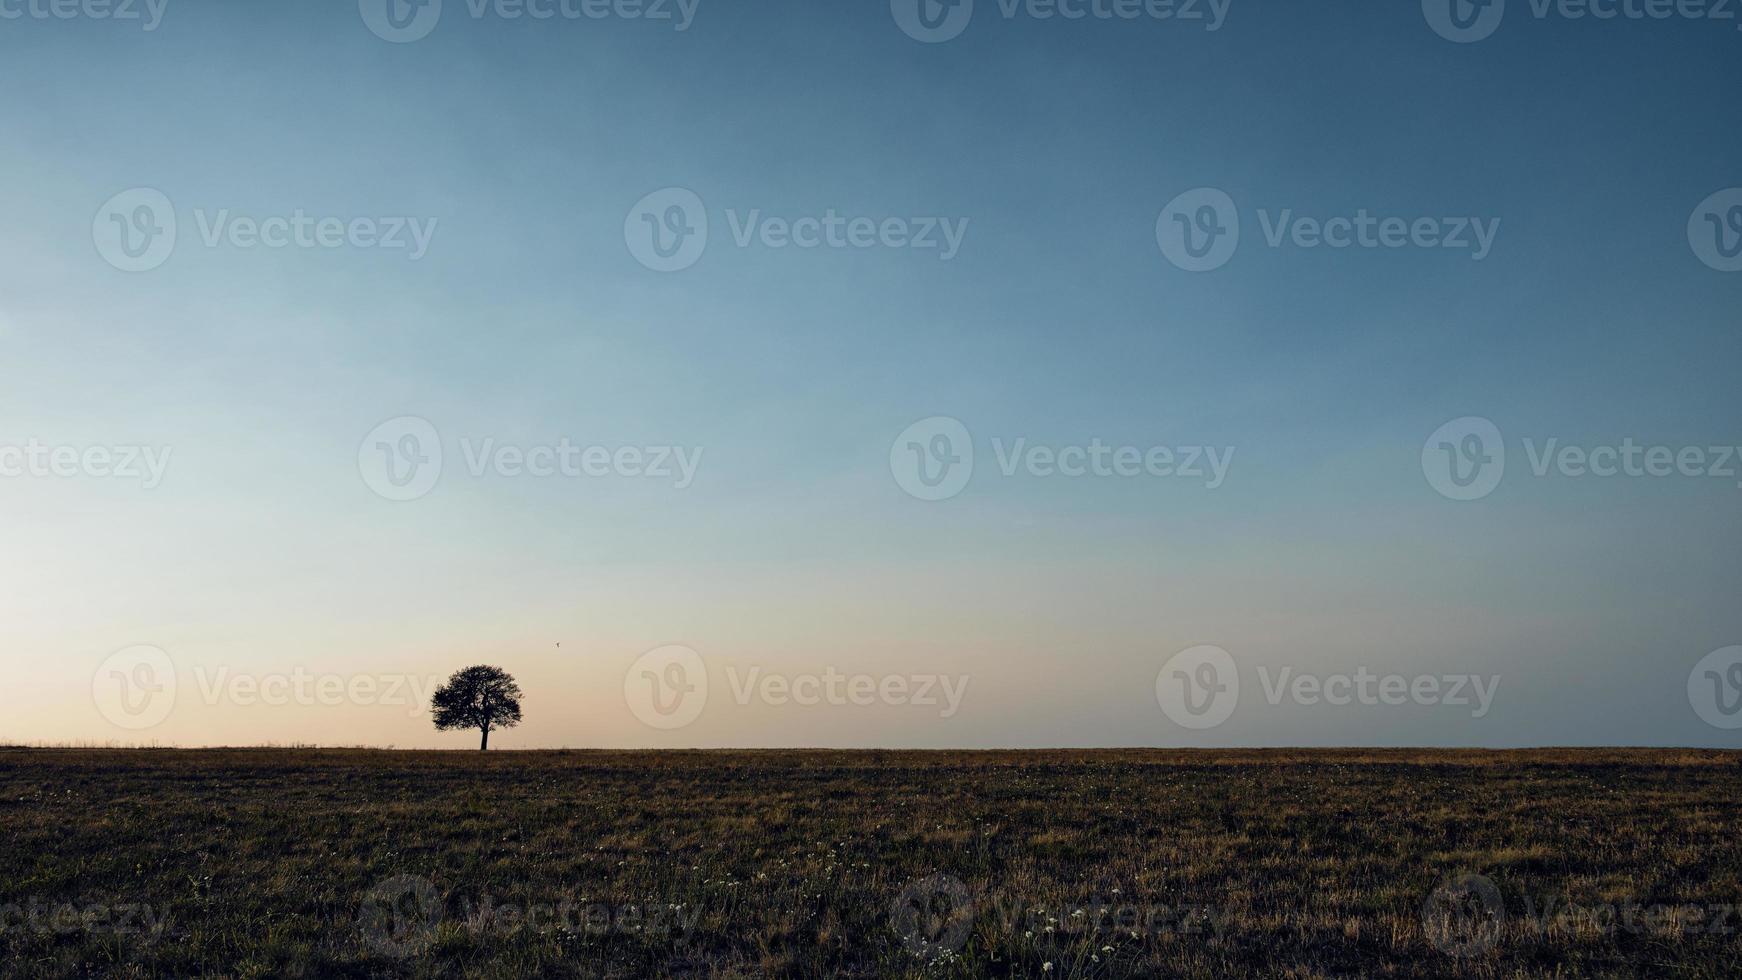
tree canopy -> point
(481, 697)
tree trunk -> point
(485, 744)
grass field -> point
(289, 862)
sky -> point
(645, 357)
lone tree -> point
(477, 697)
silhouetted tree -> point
(484, 698)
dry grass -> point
(301, 862)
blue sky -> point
(1059, 321)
